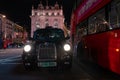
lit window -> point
(37, 26)
(55, 14)
(49, 14)
(38, 13)
(43, 14)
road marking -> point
(11, 63)
(10, 59)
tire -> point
(68, 67)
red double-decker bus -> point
(95, 32)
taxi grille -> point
(47, 51)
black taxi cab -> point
(48, 48)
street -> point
(11, 68)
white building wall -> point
(40, 17)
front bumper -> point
(32, 60)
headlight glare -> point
(27, 48)
(67, 47)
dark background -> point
(19, 11)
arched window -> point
(47, 14)
(37, 25)
(53, 14)
(58, 13)
(46, 22)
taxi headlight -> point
(27, 48)
(67, 47)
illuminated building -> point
(10, 30)
(47, 16)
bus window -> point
(97, 22)
(82, 29)
(80, 33)
(114, 14)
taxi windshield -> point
(48, 34)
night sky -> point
(20, 10)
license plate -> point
(47, 64)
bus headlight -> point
(67, 47)
(27, 48)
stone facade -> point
(46, 16)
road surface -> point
(11, 68)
